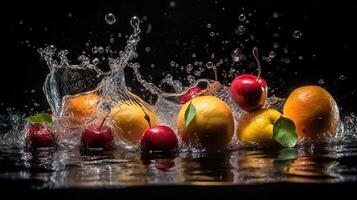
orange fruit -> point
(79, 109)
(313, 110)
(129, 121)
(212, 126)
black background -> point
(328, 28)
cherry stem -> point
(101, 124)
(215, 72)
(256, 57)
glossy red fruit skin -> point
(94, 138)
(159, 138)
(40, 137)
(189, 94)
(249, 92)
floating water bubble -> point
(189, 68)
(321, 81)
(197, 73)
(110, 18)
(276, 45)
(172, 4)
(172, 63)
(275, 14)
(209, 26)
(242, 17)
(147, 49)
(285, 50)
(212, 34)
(111, 40)
(271, 56)
(297, 34)
(237, 55)
(342, 77)
(240, 30)
(95, 61)
(100, 49)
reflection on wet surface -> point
(71, 168)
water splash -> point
(67, 81)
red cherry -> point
(39, 137)
(159, 138)
(189, 94)
(97, 137)
(249, 92)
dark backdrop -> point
(176, 33)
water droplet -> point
(321, 81)
(285, 50)
(152, 66)
(119, 35)
(209, 26)
(100, 49)
(212, 34)
(193, 55)
(297, 34)
(197, 73)
(189, 68)
(242, 17)
(172, 63)
(276, 45)
(275, 14)
(240, 30)
(147, 49)
(95, 61)
(172, 4)
(272, 54)
(110, 18)
(111, 40)
(342, 77)
(237, 55)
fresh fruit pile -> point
(204, 121)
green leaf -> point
(284, 132)
(287, 154)
(190, 114)
(40, 118)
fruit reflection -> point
(206, 168)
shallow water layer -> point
(71, 168)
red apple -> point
(189, 94)
(249, 92)
(96, 137)
(159, 138)
(39, 136)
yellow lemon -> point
(313, 110)
(258, 126)
(212, 126)
(78, 109)
(129, 121)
